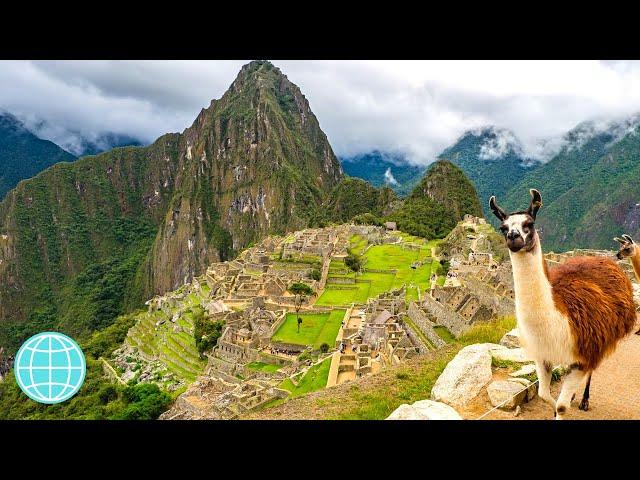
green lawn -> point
(385, 257)
(263, 367)
(445, 334)
(315, 379)
(316, 329)
(357, 244)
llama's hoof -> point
(584, 404)
(560, 411)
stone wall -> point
(419, 317)
(446, 317)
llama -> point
(629, 248)
(572, 315)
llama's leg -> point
(543, 370)
(571, 384)
(584, 404)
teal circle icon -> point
(50, 368)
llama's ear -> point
(628, 238)
(620, 241)
(495, 208)
(536, 203)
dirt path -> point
(615, 392)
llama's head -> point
(518, 228)
(627, 246)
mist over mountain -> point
(384, 169)
(24, 155)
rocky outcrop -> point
(424, 410)
(464, 376)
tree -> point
(324, 348)
(315, 274)
(353, 261)
(301, 291)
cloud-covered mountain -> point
(22, 154)
(384, 169)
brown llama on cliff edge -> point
(573, 314)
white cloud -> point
(415, 107)
(389, 178)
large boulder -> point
(511, 339)
(424, 410)
(464, 376)
(508, 392)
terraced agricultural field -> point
(316, 329)
(386, 267)
(315, 379)
(177, 350)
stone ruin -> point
(244, 339)
(380, 338)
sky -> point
(415, 108)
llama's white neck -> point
(534, 300)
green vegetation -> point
(98, 399)
(206, 332)
(386, 267)
(315, 379)
(23, 155)
(438, 202)
(263, 367)
(316, 329)
(353, 262)
(354, 197)
(445, 334)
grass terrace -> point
(263, 367)
(316, 329)
(387, 267)
(315, 379)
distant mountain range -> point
(25, 150)
(590, 187)
(24, 155)
(382, 169)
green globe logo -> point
(50, 368)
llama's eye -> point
(504, 229)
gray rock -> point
(436, 410)
(524, 371)
(464, 376)
(517, 355)
(532, 391)
(424, 410)
(511, 339)
(506, 391)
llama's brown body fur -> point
(597, 297)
